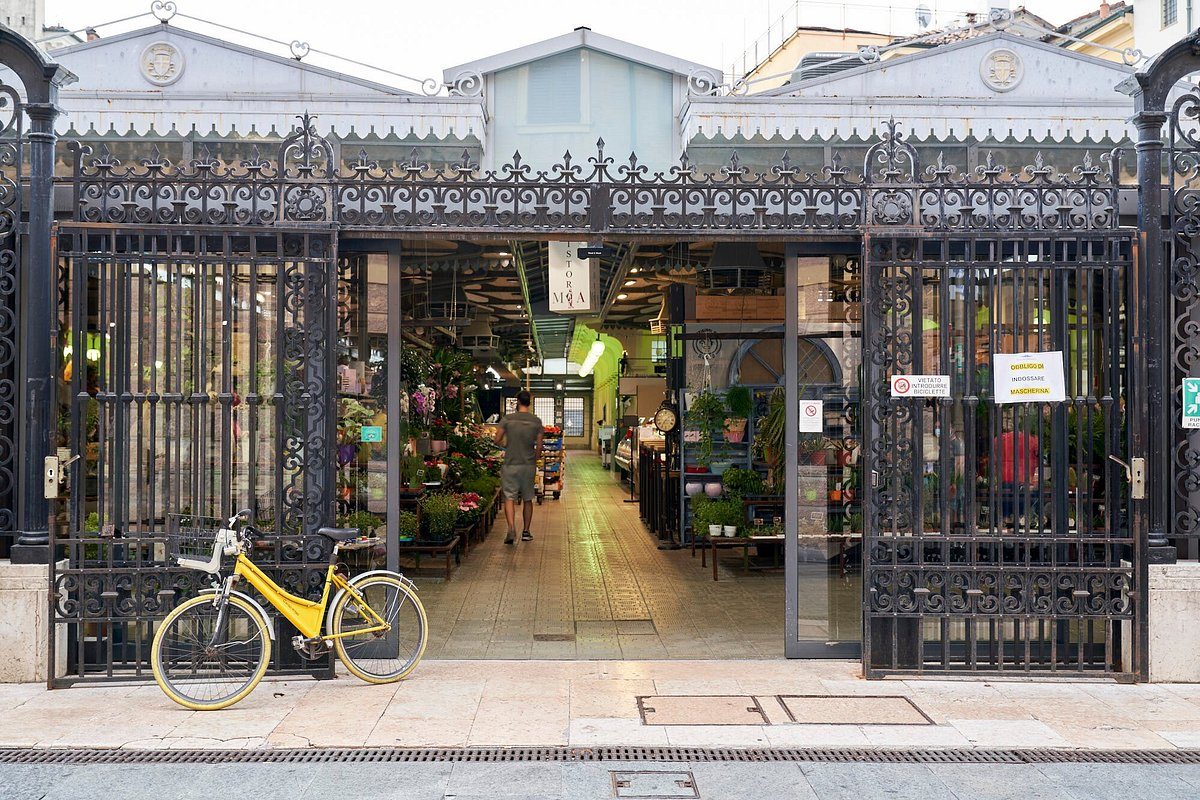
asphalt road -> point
(591, 781)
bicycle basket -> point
(192, 539)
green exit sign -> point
(372, 433)
(1191, 403)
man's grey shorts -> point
(516, 482)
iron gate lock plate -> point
(50, 477)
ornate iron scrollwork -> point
(598, 194)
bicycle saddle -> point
(338, 534)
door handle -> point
(1135, 473)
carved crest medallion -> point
(161, 63)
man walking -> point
(521, 436)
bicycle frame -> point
(306, 615)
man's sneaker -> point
(511, 538)
(526, 536)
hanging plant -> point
(740, 408)
(706, 415)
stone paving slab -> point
(592, 780)
(588, 703)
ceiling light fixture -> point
(622, 296)
(589, 362)
(630, 282)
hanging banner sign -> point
(1191, 403)
(812, 416)
(920, 386)
(1029, 377)
(573, 280)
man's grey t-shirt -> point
(521, 432)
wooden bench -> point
(448, 548)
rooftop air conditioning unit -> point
(814, 65)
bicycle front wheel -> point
(380, 656)
(205, 660)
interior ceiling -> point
(484, 278)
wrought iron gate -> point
(997, 536)
(201, 344)
(200, 365)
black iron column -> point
(1150, 317)
(38, 338)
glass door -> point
(823, 457)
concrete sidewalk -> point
(580, 704)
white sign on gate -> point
(572, 278)
(920, 385)
(812, 416)
(1029, 377)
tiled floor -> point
(594, 585)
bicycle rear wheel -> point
(381, 656)
(204, 660)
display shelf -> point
(548, 479)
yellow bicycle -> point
(212, 650)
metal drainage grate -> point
(81, 756)
(677, 755)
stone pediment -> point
(998, 67)
(175, 62)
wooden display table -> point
(447, 548)
(709, 549)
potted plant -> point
(742, 482)
(769, 438)
(814, 447)
(706, 415)
(440, 512)
(412, 472)
(740, 407)
(365, 521)
(732, 515)
(408, 525)
(706, 513)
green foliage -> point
(440, 510)
(408, 524)
(811, 443)
(742, 482)
(769, 435)
(1086, 433)
(740, 404)
(484, 486)
(365, 521)
(462, 469)
(725, 511)
(91, 523)
(352, 415)
(706, 414)
(412, 470)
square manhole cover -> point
(735, 709)
(654, 784)
(852, 710)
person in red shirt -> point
(1018, 453)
